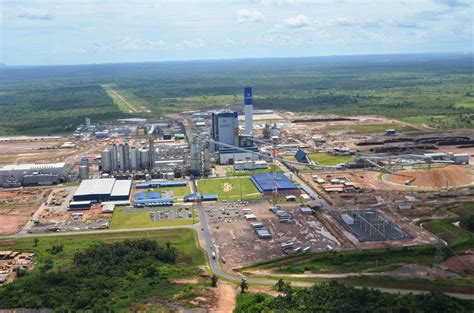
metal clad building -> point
(18, 171)
(225, 128)
(105, 189)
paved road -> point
(208, 246)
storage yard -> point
(237, 242)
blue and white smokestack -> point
(248, 110)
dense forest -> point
(434, 89)
(102, 277)
(336, 297)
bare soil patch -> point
(449, 176)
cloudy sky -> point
(108, 31)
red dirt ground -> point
(449, 176)
(461, 263)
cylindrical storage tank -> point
(144, 158)
(85, 161)
(83, 172)
(275, 131)
(106, 161)
(134, 159)
(121, 157)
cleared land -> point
(141, 219)
(370, 128)
(449, 176)
(230, 188)
(17, 207)
(327, 159)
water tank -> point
(106, 161)
(134, 159)
(275, 132)
(85, 161)
(83, 172)
(144, 158)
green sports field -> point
(230, 188)
(326, 159)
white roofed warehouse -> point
(104, 189)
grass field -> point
(231, 172)
(121, 220)
(178, 192)
(183, 239)
(327, 159)
(241, 187)
(454, 236)
(369, 128)
(349, 261)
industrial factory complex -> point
(260, 179)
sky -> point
(37, 32)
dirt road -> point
(227, 294)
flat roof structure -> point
(264, 182)
(103, 189)
(121, 190)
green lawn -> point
(121, 220)
(239, 186)
(369, 128)
(326, 159)
(231, 172)
(183, 239)
(454, 236)
(178, 192)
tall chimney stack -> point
(248, 110)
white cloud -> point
(298, 21)
(278, 2)
(197, 43)
(129, 43)
(250, 16)
(34, 14)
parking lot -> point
(237, 241)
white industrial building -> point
(249, 165)
(105, 189)
(47, 173)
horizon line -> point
(5, 65)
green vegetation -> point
(230, 188)
(336, 297)
(52, 107)
(178, 192)
(105, 275)
(231, 172)
(141, 219)
(326, 159)
(425, 89)
(370, 128)
(455, 236)
(351, 261)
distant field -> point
(237, 187)
(369, 128)
(464, 210)
(454, 236)
(425, 88)
(130, 220)
(183, 239)
(326, 159)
